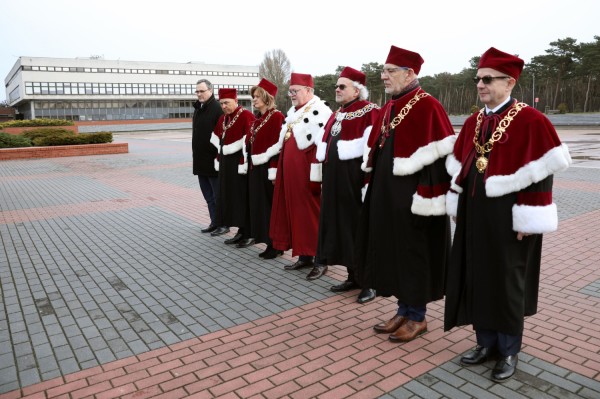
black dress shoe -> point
(219, 231)
(366, 295)
(234, 240)
(477, 356)
(270, 253)
(246, 242)
(343, 287)
(317, 272)
(298, 265)
(209, 229)
(505, 368)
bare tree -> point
(276, 67)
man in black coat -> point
(206, 114)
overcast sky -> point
(316, 35)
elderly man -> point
(502, 166)
(296, 200)
(339, 157)
(229, 138)
(206, 114)
(404, 233)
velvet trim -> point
(433, 191)
(534, 198)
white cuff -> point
(535, 219)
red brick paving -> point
(327, 349)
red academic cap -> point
(268, 86)
(301, 79)
(354, 75)
(405, 58)
(501, 61)
(227, 93)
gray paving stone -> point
(449, 391)
(421, 390)
(447, 377)
(47, 364)
(556, 380)
(478, 392)
(29, 376)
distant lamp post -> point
(535, 100)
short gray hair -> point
(209, 85)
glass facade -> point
(99, 110)
(121, 89)
(98, 90)
(136, 71)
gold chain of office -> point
(290, 126)
(401, 115)
(255, 130)
(337, 126)
(235, 118)
(482, 162)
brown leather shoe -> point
(409, 331)
(388, 327)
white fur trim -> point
(234, 147)
(535, 219)
(428, 206)
(243, 169)
(363, 92)
(366, 152)
(363, 191)
(216, 164)
(350, 149)
(272, 173)
(453, 167)
(553, 161)
(424, 156)
(316, 172)
(451, 203)
(321, 151)
(214, 140)
(306, 134)
(259, 159)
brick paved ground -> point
(110, 290)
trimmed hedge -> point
(37, 122)
(13, 141)
(47, 132)
(91, 138)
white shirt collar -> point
(488, 110)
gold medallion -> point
(287, 136)
(481, 164)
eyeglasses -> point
(292, 92)
(341, 87)
(201, 91)
(388, 71)
(488, 79)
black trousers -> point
(507, 345)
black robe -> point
(341, 201)
(493, 278)
(233, 192)
(397, 252)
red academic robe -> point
(296, 201)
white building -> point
(99, 89)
